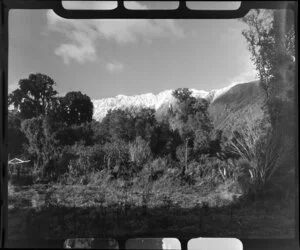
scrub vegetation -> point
(179, 175)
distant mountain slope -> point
(241, 102)
(161, 100)
(229, 106)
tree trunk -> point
(184, 168)
(108, 163)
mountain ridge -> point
(150, 100)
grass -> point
(115, 208)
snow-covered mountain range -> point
(149, 100)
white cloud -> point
(115, 67)
(83, 34)
(245, 77)
(248, 74)
(79, 53)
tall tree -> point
(77, 108)
(145, 126)
(118, 125)
(167, 140)
(182, 94)
(271, 40)
(190, 117)
(34, 96)
(16, 138)
(42, 146)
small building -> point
(17, 167)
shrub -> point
(204, 166)
(245, 175)
(71, 177)
(211, 169)
(42, 147)
(77, 174)
(261, 147)
(81, 161)
(167, 202)
(183, 154)
(157, 168)
(69, 135)
(194, 167)
(116, 154)
(97, 177)
(16, 138)
(92, 157)
(139, 151)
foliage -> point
(42, 146)
(144, 124)
(182, 94)
(83, 162)
(215, 143)
(212, 169)
(16, 138)
(77, 108)
(248, 180)
(271, 40)
(69, 135)
(167, 140)
(191, 119)
(139, 151)
(116, 155)
(92, 157)
(100, 131)
(76, 174)
(260, 42)
(34, 97)
(183, 153)
(126, 125)
(157, 168)
(118, 125)
(260, 150)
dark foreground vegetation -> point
(77, 211)
(138, 173)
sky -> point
(105, 58)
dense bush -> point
(116, 154)
(69, 135)
(34, 97)
(75, 108)
(91, 157)
(157, 168)
(261, 152)
(189, 116)
(275, 62)
(183, 153)
(245, 175)
(139, 151)
(43, 147)
(166, 140)
(16, 138)
(65, 141)
(76, 174)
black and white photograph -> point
(148, 127)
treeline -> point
(60, 137)
(65, 144)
